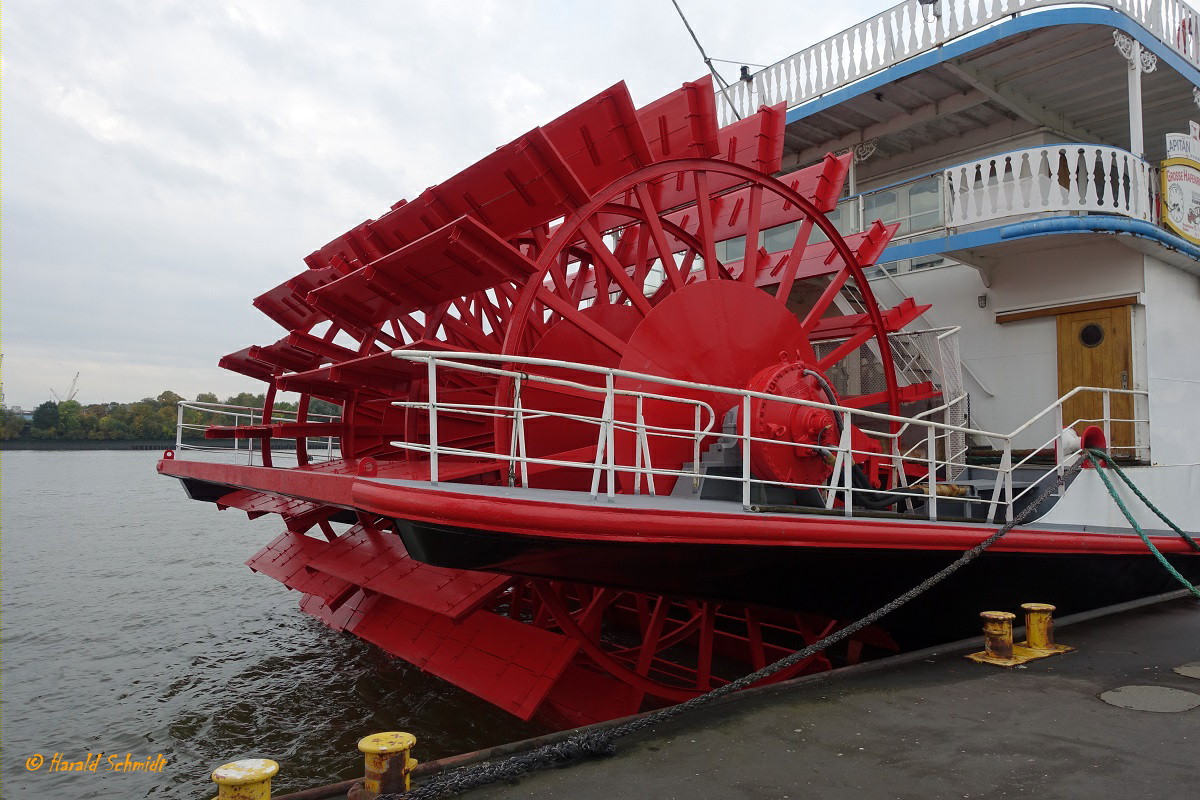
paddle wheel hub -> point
(806, 432)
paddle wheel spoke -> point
(636, 240)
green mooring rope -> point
(1099, 457)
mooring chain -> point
(598, 743)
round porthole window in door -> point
(1091, 335)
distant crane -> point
(70, 392)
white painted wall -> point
(1052, 271)
(1018, 361)
(1172, 324)
(1173, 489)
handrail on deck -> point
(232, 415)
(843, 454)
(911, 28)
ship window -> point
(1091, 335)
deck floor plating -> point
(935, 725)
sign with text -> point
(1181, 197)
(1185, 145)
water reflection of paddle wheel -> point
(649, 239)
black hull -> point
(843, 583)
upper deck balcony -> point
(972, 115)
(923, 86)
(993, 192)
(913, 29)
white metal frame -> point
(234, 415)
(936, 448)
(932, 436)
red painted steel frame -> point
(569, 215)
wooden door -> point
(1094, 349)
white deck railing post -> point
(931, 460)
(1008, 483)
(610, 428)
(745, 431)
(1003, 469)
(1060, 458)
(513, 444)
(602, 439)
(521, 448)
(1107, 417)
(847, 448)
(431, 376)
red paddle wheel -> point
(646, 239)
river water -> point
(132, 627)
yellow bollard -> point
(1039, 631)
(997, 639)
(1039, 625)
(245, 780)
(998, 647)
(997, 633)
(388, 764)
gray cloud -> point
(165, 162)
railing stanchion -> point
(1008, 482)
(521, 449)
(1005, 464)
(1107, 401)
(931, 460)
(696, 453)
(601, 440)
(637, 456)
(745, 430)
(433, 431)
(1060, 458)
(609, 434)
(179, 428)
(516, 433)
(847, 448)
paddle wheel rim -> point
(628, 203)
(567, 235)
(464, 266)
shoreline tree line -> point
(151, 418)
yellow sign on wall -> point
(1181, 197)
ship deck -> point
(931, 724)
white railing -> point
(1085, 178)
(933, 456)
(910, 28)
(197, 417)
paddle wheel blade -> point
(648, 239)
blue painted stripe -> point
(1001, 30)
(1051, 226)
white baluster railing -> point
(909, 29)
(934, 457)
(1065, 177)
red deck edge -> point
(526, 516)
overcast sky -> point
(165, 162)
